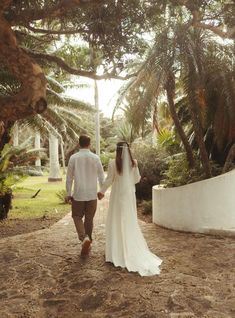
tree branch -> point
(197, 22)
(4, 5)
(63, 65)
(56, 11)
(230, 34)
(42, 38)
(31, 98)
(44, 31)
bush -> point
(147, 207)
(179, 174)
(168, 140)
(151, 164)
(105, 158)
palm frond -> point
(55, 85)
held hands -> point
(68, 199)
(100, 195)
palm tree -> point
(155, 76)
(181, 55)
(64, 119)
(63, 123)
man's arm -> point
(69, 179)
(100, 173)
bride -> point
(125, 244)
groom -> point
(84, 168)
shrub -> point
(168, 140)
(151, 165)
(62, 195)
(178, 172)
(147, 207)
(105, 157)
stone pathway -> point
(43, 276)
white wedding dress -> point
(125, 245)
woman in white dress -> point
(125, 245)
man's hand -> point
(68, 199)
(100, 195)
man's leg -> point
(78, 211)
(90, 209)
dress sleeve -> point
(110, 177)
(136, 173)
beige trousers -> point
(87, 210)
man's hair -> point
(84, 141)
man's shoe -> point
(86, 245)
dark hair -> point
(119, 156)
(84, 141)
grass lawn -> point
(31, 214)
(46, 203)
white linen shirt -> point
(84, 168)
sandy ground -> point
(43, 275)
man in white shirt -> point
(84, 168)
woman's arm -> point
(136, 173)
(110, 177)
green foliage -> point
(8, 180)
(18, 156)
(11, 169)
(178, 172)
(125, 132)
(151, 164)
(62, 196)
(168, 140)
(147, 207)
(105, 158)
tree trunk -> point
(200, 141)
(230, 159)
(62, 156)
(5, 204)
(5, 133)
(97, 118)
(16, 135)
(37, 145)
(31, 97)
(54, 174)
(194, 86)
(170, 90)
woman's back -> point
(125, 245)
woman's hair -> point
(119, 149)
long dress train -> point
(125, 244)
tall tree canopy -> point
(32, 33)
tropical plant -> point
(179, 173)
(181, 66)
(152, 164)
(146, 206)
(168, 140)
(62, 194)
(125, 132)
(117, 29)
(10, 174)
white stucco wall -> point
(207, 206)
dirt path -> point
(43, 276)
